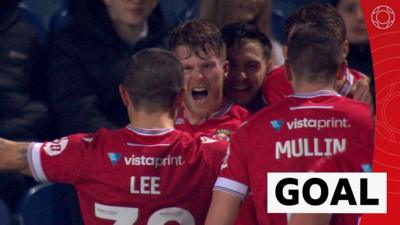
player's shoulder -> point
(358, 75)
(352, 107)
(101, 137)
(261, 120)
(238, 112)
(277, 73)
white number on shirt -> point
(128, 216)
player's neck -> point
(198, 117)
(145, 120)
(308, 88)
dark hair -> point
(315, 57)
(154, 79)
(233, 33)
(199, 36)
(323, 16)
(335, 3)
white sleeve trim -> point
(35, 162)
(231, 187)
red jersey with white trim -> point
(276, 86)
(220, 125)
(290, 137)
(354, 160)
(133, 176)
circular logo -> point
(383, 17)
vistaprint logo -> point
(154, 161)
(114, 157)
(311, 123)
(276, 124)
(317, 123)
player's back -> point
(277, 87)
(292, 135)
(134, 176)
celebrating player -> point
(199, 46)
(290, 136)
(145, 173)
(249, 56)
(350, 83)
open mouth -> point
(199, 94)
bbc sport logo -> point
(383, 17)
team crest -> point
(55, 147)
(222, 135)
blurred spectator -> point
(22, 115)
(255, 12)
(249, 56)
(87, 60)
(359, 56)
(44, 9)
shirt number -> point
(128, 216)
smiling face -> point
(247, 69)
(246, 11)
(352, 14)
(204, 79)
(130, 12)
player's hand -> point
(361, 91)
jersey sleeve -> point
(233, 178)
(60, 160)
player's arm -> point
(223, 209)
(309, 219)
(14, 156)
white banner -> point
(327, 193)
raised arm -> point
(223, 209)
(13, 156)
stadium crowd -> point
(156, 110)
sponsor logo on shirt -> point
(277, 125)
(156, 162)
(366, 167)
(114, 157)
(56, 147)
(318, 124)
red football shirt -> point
(133, 176)
(289, 137)
(354, 160)
(220, 125)
(276, 87)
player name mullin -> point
(305, 147)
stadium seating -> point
(50, 204)
(5, 216)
